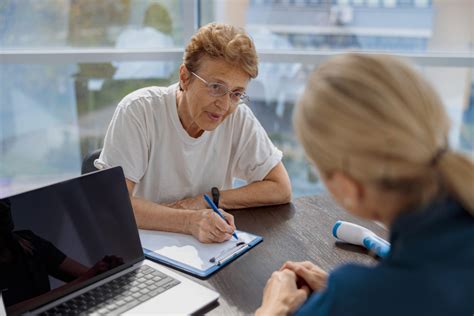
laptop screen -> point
(62, 237)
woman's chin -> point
(211, 127)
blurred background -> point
(65, 65)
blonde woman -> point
(176, 143)
(378, 133)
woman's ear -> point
(183, 77)
(347, 191)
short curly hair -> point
(222, 41)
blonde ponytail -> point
(457, 172)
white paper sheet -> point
(186, 248)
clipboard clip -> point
(227, 254)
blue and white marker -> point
(358, 235)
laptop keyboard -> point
(119, 295)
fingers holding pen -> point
(212, 225)
(227, 225)
(209, 227)
(223, 230)
(229, 219)
(218, 236)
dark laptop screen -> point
(59, 238)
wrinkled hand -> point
(208, 227)
(308, 273)
(281, 295)
(194, 203)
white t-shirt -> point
(147, 139)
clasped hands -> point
(290, 286)
(204, 224)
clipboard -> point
(186, 253)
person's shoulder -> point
(243, 110)
(351, 274)
(147, 97)
(363, 280)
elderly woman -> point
(389, 162)
(176, 143)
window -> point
(85, 23)
(326, 27)
(65, 64)
(54, 111)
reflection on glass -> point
(58, 238)
(28, 260)
(53, 115)
(381, 25)
(85, 23)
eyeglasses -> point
(216, 89)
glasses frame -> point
(244, 98)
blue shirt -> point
(429, 270)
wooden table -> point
(298, 231)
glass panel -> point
(276, 89)
(273, 95)
(382, 25)
(467, 128)
(51, 116)
(366, 25)
(90, 23)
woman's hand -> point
(309, 273)
(281, 295)
(208, 227)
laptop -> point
(73, 248)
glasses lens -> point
(238, 97)
(217, 90)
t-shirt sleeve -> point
(126, 142)
(255, 154)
